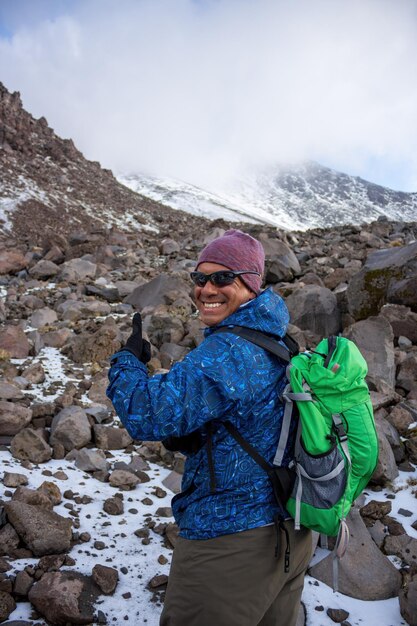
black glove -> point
(135, 344)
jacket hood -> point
(267, 313)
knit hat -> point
(237, 251)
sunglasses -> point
(218, 279)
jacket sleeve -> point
(202, 387)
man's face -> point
(217, 303)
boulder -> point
(106, 578)
(314, 308)
(407, 372)
(163, 289)
(89, 460)
(43, 317)
(65, 597)
(408, 602)
(13, 417)
(379, 580)
(44, 269)
(34, 497)
(375, 340)
(7, 605)
(12, 261)
(9, 540)
(29, 445)
(368, 289)
(77, 270)
(43, 531)
(34, 373)
(163, 328)
(9, 391)
(123, 479)
(402, 319)
(281, 264)
(111, 437)
(71, 428)
(57, 338)
(98, 346)
(403, 546)
(13, 479)
(14, 341)
(386, 469)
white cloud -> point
(199, 89)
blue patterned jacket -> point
(225, 378)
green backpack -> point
(336, 448)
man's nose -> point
(209, 288)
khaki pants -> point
(236, 580)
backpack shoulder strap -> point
(264, 341)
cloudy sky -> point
(204, 89)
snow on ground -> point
(123, 549)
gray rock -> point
(314, 308)
(8, 391)
(14, 341)
(392, 436)
(7, 605)
(34, 373)
(43, 317)
(171, 353)
(403, 546)
(43, 531)
(98, 346)
(29, 445)
(12, 479)
(65, 597)
(368, 289)
(43, 270)
(57, 338)
(9, 540)
(123, 479)
(71, 427)
(111, 437)
(173, 482)
(386, 469)
(13, 417)
(162, 328)
(281, 264)
(402, 319)
(159, 290)
(364, 572)
(106, 578)
(89, 460)
(169, 246)
(408, 602)
(407, 373)
(12, 261)
(77, 270)
(375, 340)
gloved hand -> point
(136, 344)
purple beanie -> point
(237, 251)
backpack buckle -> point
(339, 427)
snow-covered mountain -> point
(300, 196)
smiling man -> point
(224, 571)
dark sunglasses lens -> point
(221, 279)
(199, 278)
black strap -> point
(231, 428)
(331, 347)
(264, 341)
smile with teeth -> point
(212, 305)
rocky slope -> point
(71, 301)
(307, 195)
(45, 182)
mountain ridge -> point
(294, 197)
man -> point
(224, 570)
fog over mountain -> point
(301, 196)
